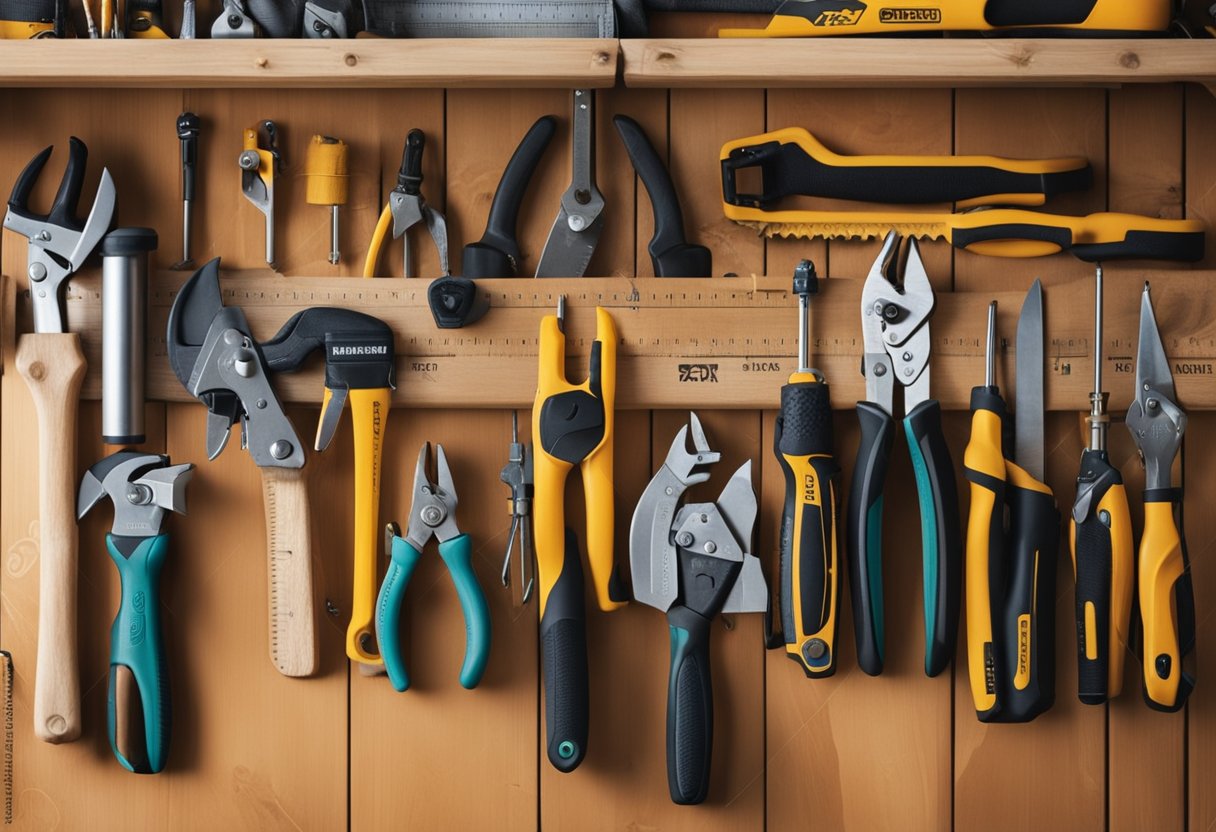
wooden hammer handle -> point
(293, 646)
(53, 367)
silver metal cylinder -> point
(124, 324)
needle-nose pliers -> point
(433, 512)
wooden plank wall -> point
(254, 750)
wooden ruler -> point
(6, 691)
(720, 342)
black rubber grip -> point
(1037, 12)
(924, 426)
(863, 533)
(563, 636)
(188, 126)
(787, 170)
(806, 419)
(690, 708)
(497, 253)
(1027, 618)
(670, 253)
(409, 177)
(1179, 246)
(1094, 567)
(29, 11)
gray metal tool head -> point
(895, 308)
(59, 242)
(580, 218)
(433, 509)
(651, 557)
(1154, 418)
(1029, 447)
(141, 486)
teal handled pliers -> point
(433, 512)
(142, 487)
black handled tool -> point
(810, 561)
(188, 127)
(497, 253)
(671, 254)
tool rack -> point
(255, 750)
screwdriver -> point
(325, 167)
(188, 126)
(802, 440)
(1101, 542)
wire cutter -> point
(433, 512)
(406, 207)
(517, 475)
(895, 328)
(1167, 600)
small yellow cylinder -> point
(325, 167)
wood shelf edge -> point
(361, 62)
(952, 62)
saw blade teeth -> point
(844, 230)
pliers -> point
(895, 328)
(433, 512)
(406, 207)
(1167, 600)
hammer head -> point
(141, 486)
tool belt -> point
(25, 19)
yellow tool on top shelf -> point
(328, 183)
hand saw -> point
(491, 19)
(792, 162)
(997, 232)
(1084, 18)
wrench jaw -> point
(141, 486)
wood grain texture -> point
(277, 64)
(293, 646)
(871, 62)
(52, 366)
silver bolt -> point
(710, 547)
(1104, 518)
(908, 371)
(37, 272)
(1152, 404)
(260, 404)
(232, 337)
(893, 337)
(432, 515)
(577, 222)
(249, 160)
(244, 363)
(704, 518)
(669, 491)
(880, 370)
(280, 449)
(907, 356)
(43, 236)
(138, 495)
(684, 539)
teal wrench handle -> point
(457, 554)
(137, 707)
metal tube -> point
(334, 255)
(124, 323)
(804, 346)
(1098, 329)
(1098, 420)
(990, 348)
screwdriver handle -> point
(563, 637)
(984, 467)
(137, 706)
(863, 533)
(1167, 603)
(941, 541)
(810, 568)
(409, 177)
(188, 126)
(1101, 543)
(1028, 613)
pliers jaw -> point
(59, 242)
(896, 303)
(1156, 422)
(141, 486)
(433, 511)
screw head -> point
(576, 222)
(37, 272)
(880, 370)
(281, 449)
(710, 547)
(432, 515)
(684, 539)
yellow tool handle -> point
(597, 469)
(325, 171)
(548, 521)
(984, 467)
(25, 29)
(1166, 607)
(820, 18)
(53, 368)
(369, 415)
(383, 228)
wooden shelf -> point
(884, 62)
(515, 63)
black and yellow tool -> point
(359, 366)
(791, 162)
(997, 232)
(1011, 568)
(407, 207)
(144, 19)
(30, 19)
(1167, 599)
(1083, 18)
(810, 521)
(328, 183)
(572, 424)
(1101, 541)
